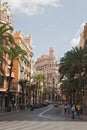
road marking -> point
(41, 114)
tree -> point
(39, 79)
(6, 39)
(33, 92)
(10, 48)
(13, 53)
(1, 61)
(80, 63)
(71, 67)
(66, 69)
(22, 83)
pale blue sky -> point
(52, 23)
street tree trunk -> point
(8, 89)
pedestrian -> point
(73, 111)
(78, 109)
(32, 107)
(15, 106)
(65, 108)
(68, 108)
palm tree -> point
(72, 65)
(1, 61)
(13, 54)
(33, 92)
(22, 83)
(8, 46)
(67, 72)
(39, 79)
(6, 39)
(28, 92)
(80, 63)
(66, 90)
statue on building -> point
(5, 14)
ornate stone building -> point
(5, 17)
(48, 65)
(5, 14)
(83, 37)
(21, 69)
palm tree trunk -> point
(80, 87)
(29, 98)
(8, 90)
(73, 96)
(33, 96)
(22, 97)
(36, 96)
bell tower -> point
(51, 52)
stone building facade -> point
(21, 69)
(83, 37)
(48, 65)
(5, 17)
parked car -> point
(59, 102)
(55, 105)
(45, 104)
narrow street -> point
(46, 118)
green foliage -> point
(15, 52)
(39, 77)
(33, 87)
(6, 40)
(22, 82)
(73, 68)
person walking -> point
(78, 109)
(65, 108)
(68, 108)
(73, 111)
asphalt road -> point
(40, 119)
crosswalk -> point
(25, 125)
(41, 125)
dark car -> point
(55, 105)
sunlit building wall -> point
(23, 68)
(48, 65)
(5, 17)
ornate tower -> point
(5, 14)
(51, 52)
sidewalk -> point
(19, 111)
(13, 111)
(81, 117)
(8, 113)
